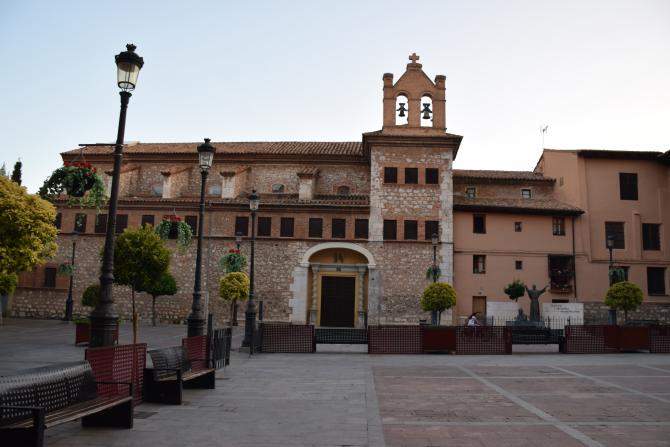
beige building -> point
(344, 228)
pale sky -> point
(597, 72)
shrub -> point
(91, 295)
(8, 282)
(234, 286)
(515, 289)
(438, 297)
(624, 296)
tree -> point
(233, 287)
(165, 285)
(16, 173)
(624, 296)
(140, 257)
(27, 231)
(436, 298)
(3, 170)
(91, 295)
(515, 289)
(8, 282)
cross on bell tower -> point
(418, 90)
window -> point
(58, 221)
(525, 193)
(517, 227)
(215, 190)
(411, 230)
(615, 230)
(148, 219)
(49, 277)
(286, 227)
(411, 176)
(479, 223)
(338, 228)
(361, 229)
(264, 226)
(656, 280)
(242, 225)
(101, 223)
(470, 192)
(343, 191)
(174, 230)
(432, 176)
(277, 188)
(390, 175)
(518, 265)
(157, 189)
(80, 223)
(192, 221)
(558, 226)
(561, 273)
(315, 227)
(121, 223)
(651, 236)
(390, 230)
(627, 186)
(431, 227)
(479, 264)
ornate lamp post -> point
(69, 302)
(196, 320)
(250, 313)
(434, 241)
(104, 317)
(238, 239)
(609, 243)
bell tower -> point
(414, 104)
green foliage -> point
(233, 261)
(66, 269)
(617, 274)
(438, 297)
(164, 285)
(433, 273)
(91, 295)
(8, 283)
(79, 181)
(3, 170)
(27, 231)
(140, 257)
(184, 232)
(625, 296)
(16, 173)
(234, 286)
(515, 289)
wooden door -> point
(479, 306)
(338, 298)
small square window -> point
(390, 175)
(242, 225)
(656, 280)
(50, 277)
(628, 186)
(390, 230)
(264, 226)
(315, 227)
(479, 264)
(479, 224)
(615, 230)
(147, 219)
(101, 223)
(192, 221)
(432, 176)
(411, 230)
(651, 236)
(431, 227)
(338, 228)
(525, 193)
(361, 229)
(121, 223)
(518, 265)
(286, 227)
(558, 226)
(470, 192)
(518, 227)
(411, 176)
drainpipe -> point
(574, 260)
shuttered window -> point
(361, 229)
(651, 236)
(479, 223)
(286, 227)
(242, 225)
(265, 226)
(411, 230)
(390, 175)
(148, 219)
(432, 176)
(656, 280)
(121, 223)
(101, 223)
(339, 228)
(431, 227)
(411, 176)
(315, 227)
(615, 230)
(627, 186)
(390, 230)
(192, 221)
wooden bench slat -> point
(74, 412)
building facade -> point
(344, 228)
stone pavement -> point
(352, 399)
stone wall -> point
(597, 313)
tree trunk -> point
(134, 317)
(153, 310)
(232, 311)
(433, 317)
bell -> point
(426, 111)
(401, 109)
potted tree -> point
(82, 326)
(437, 298)
(627, 296)
(233, 261)
(234, 287)
(165, 285)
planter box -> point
(634, 338)
(82, 333)
(438, 338)
(391, 339)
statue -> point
(534, 295)
(521, 317)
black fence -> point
(219, 347)
(394, 339)
(483, 340)
(341, 335)
(659, 339)
(287, 338)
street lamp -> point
(196, 321)
(104, 318)
(434, 241)
(69, 302)
(609, 243)
(250, 314)
(238, 239)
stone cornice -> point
(380, 138)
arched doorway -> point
(335, 285)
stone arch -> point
(344, 245)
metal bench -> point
(45, 397)
(171, 372)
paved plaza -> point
(353, 399)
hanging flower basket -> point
(79, 181)
(233, 261)
(183, 230)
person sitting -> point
(472, 320)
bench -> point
(171, 372)
(45, 397)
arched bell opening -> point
(401, 110)
(426, 111)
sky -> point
(597, 72)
